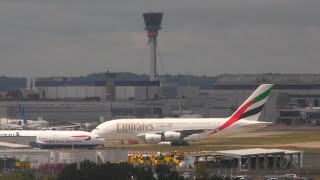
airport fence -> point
(260, 174)
(37, 158)
(311, 160)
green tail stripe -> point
(262, 96)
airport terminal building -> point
(295, 98)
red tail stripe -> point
(235, 117)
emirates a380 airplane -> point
(245, 119)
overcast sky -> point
(77, 37)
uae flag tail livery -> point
(251, 108)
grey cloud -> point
(75, 37)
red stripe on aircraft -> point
(81, 136)
(235, 117)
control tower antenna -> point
(152, 21)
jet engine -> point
(153, 138)
(171, 136)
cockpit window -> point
(96, 128)
(98, 137)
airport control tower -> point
(152, 21)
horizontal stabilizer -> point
(254, 125)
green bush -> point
(201, 171)
(118, 171)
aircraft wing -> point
(189, 132)
(32, 127)
(10, 127)
(184, 132)
(60, 127)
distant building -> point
(295, 98)
(291, 91)
(78, 89)
(64, 89)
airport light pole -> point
(134, 107)
(110, 107)
(179, 105)
(4, 159)
(110, 89)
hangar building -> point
(295, 98)
(61, 88)
(291, 97)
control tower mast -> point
(152, 21)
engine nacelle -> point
(171, 136)
(153, 138)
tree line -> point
(88, 170)
(204, 82)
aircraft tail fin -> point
(252, 107)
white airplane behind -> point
(57, 139)
(189, 129)
(73, 126)
(16, 124)
(10, 127)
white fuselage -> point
(17, 124)
(124, 129)
(244, 119)
(46, 139)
